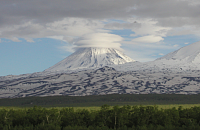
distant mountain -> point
(186, 58)
(86, 58)
(187, 54)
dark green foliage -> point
(99, 100)
(107, 118)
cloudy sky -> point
(36, 34)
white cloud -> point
(57, 37)
(15, 39)
(67, 29)
(29, 39)
(175, 45)
(148, 27)
(67, 47)
(148, 39)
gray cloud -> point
(44, 11)
(166, 8)
(168, 13)
(50, 10)
(119, 26)
(68, 19)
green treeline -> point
(107, 118)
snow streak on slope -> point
(91, 58)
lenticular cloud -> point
(103, 40)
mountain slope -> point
(91, 58)
(102, 81)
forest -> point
(107, 118)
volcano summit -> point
(87, 58)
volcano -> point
(85, 58)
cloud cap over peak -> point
(99, 40)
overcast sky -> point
(36, 34)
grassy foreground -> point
(96, 108)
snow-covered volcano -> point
(189, 54)
(91, 58)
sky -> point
(35, 35)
